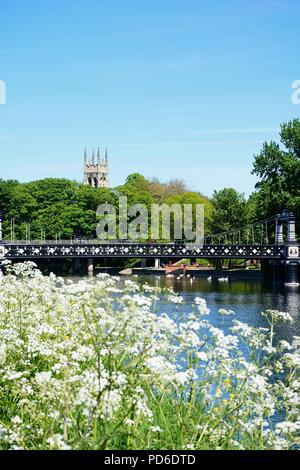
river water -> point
(246, 298)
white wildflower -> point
(57, 443)
(202, 306)
(202, 356)
(287, 427)
(17, 420)
(224, 311)
(43, 378)
(155, 429)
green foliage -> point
(6, 188)
(137, 181)
(161, 191)
(194, 198)
(61, 208)
(57, 206)
(279, 172)
(135, 189)
(230, 210)
(109, 364)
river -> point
(247, 298)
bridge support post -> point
(278, 272)
(291, 273)
(157, 263)
(90, 267)
(76, 268)
(279, 230)
(2, 248)
(292, 261)
(291, 230)
(267, 270)
(143, 262)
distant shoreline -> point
(237, 274)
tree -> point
(279, 172)
(136, 190)
(90, 198)
(62, 207)
(6, 189)
(193, 199)
(162, 191)
(230, 211)
(137, 181)
(58, 206)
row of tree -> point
(61, 208)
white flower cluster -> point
(224, 312)
(94, 364)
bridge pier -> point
(2, 248)
(157, 263)
(76, 266)
(1, 268)
(278, 272)
(291, 273)
(285, 272)
(90, 268)
(287, 269)
(1, 233)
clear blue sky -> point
(187, 89)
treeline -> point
(60, 208)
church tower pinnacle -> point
(96, 174)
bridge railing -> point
(207, 242)
(88, 242)
(64, 242)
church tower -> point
(96, 172)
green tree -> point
(61, 207)
(194, 198)
(278, 169)
(161, 191)
(137, 180)
(230, 211)
(6, 189)
(136, 190)
(57, 206)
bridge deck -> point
(23, 251)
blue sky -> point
(184, 89)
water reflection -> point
(247, 298)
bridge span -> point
(283, 256)
(283, 260)
(95, 249)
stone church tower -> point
(96, 173)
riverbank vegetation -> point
(59, 208)
(105, 364)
